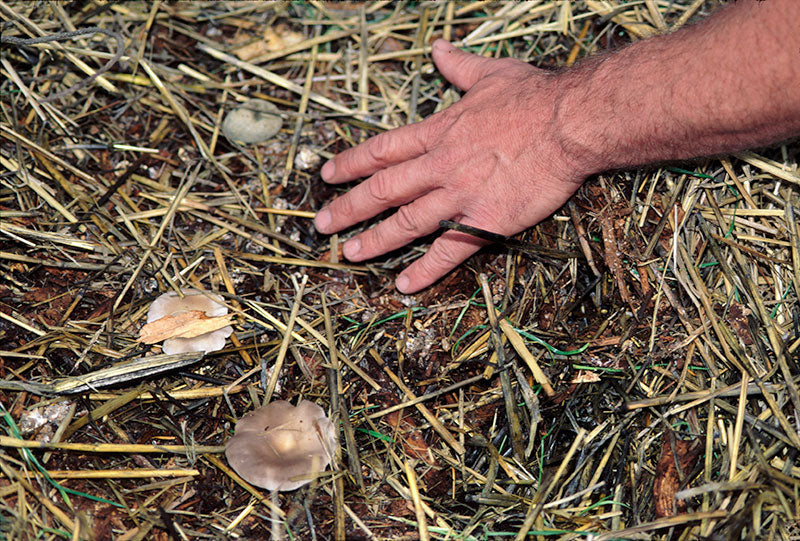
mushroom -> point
(254, 121)
(170, 304)
(280, 446)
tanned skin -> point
(522, 140)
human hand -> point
(493, 160)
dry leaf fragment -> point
(251, 50)
(668, 478)
(274, 40)
(183, 325)
(184, 340)
(586, 376)
(737, 316)
(281, 37)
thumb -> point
(460, 68)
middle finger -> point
(385, 189)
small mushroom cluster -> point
(282, 447)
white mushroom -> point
(170, 304)
(254, 121)
(280, 446)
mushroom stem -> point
(275, 519)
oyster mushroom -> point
(171, 304)
(254, 121)
(280, 446)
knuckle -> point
(379, 188)
(443, 126)
(375, 241)
(341, 206)
(440, 261)
(435, 128)
(349, 163)
(446, 163)
(407, 220)
(380, 148)
(447, 118)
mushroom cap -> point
(254, 121)
(280, 446)
(170, 304)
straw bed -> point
(631, 374)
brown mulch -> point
(647, 389)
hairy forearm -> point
(726, 84)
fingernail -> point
(323, 220)
(351, 248)
(328, 170)
(402, 283)
(442, 45)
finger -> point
(446, 252)
(416, 219)
(385, 189)
(379, 152)
(461, 68)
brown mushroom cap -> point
(171, 303)
(280, 446)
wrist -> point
(578, 123)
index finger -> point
(379, 152)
